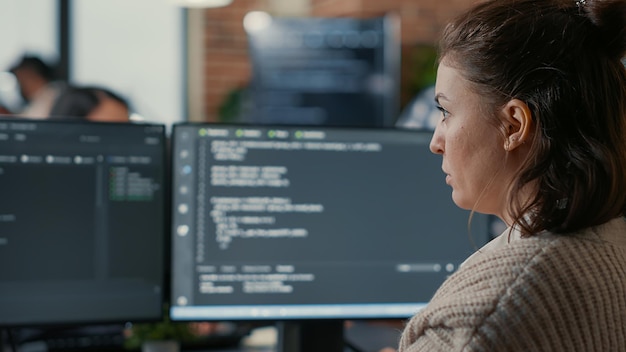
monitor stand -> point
(311, 336)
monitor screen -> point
(310, 223)
(323, 71)
(82, 218)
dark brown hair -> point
(76, 103)
(562, 58)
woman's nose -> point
(436, 142)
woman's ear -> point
(517, 120)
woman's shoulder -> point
(539, 285)
(546, 258)
(549, 266)
(557, 251)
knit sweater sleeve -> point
(539, 295)
(461, 305)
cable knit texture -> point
(543, 293)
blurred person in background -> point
(37, 85)
(96, 104)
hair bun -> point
(610, 17)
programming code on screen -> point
(292, 222)
(323, 71)
(81, 222)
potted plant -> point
(162, 336)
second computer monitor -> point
(305, 223)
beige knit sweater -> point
(543, 293)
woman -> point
(533, 129)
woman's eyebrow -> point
(440, 96)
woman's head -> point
(550, 84)
(479, 162)
(92, 104)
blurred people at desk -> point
(96, 104)
(37, 85)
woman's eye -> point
(445, 113)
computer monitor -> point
(323, 71)
(311, 223)
(82, 223)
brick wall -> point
(226, 62)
